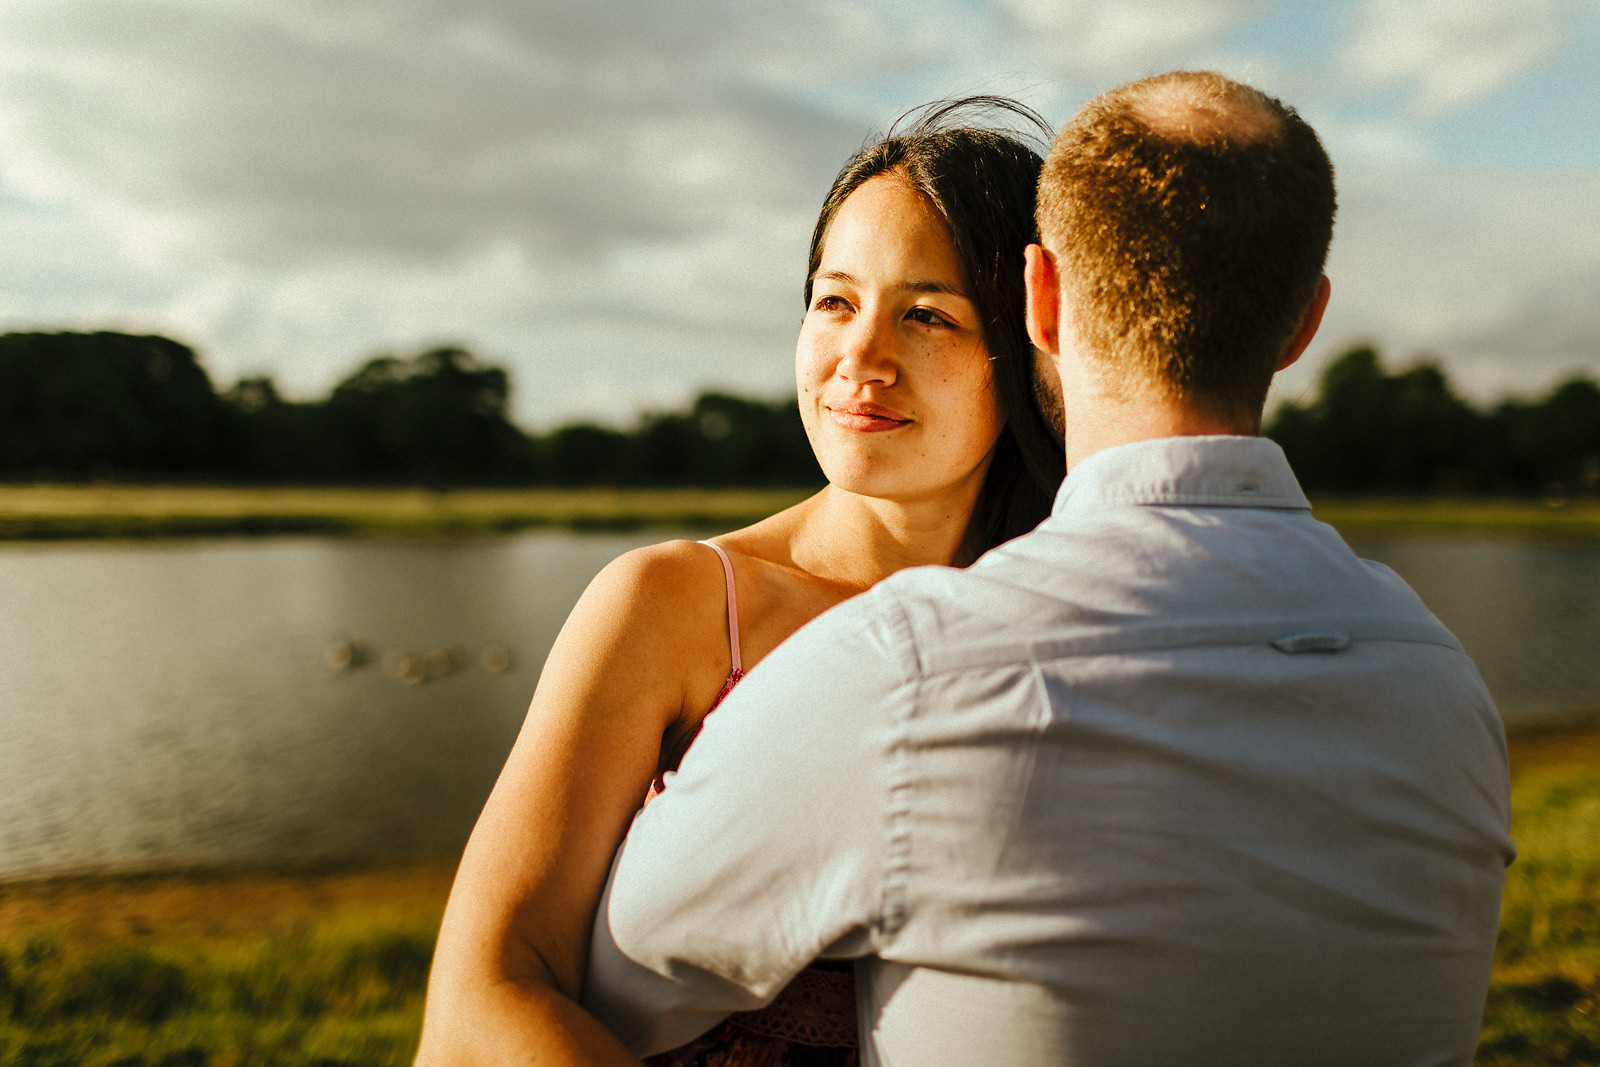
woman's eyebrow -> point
(846, 278)
(935, 287)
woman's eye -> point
(828, 303)
(927, 316)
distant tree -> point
(275, 440)
(1369, 430)
(440, 418)
(586, 454)
(75, 405)
(723, 440)
(665, 450)
(748, 442)
(104, 404)
(1554, 443)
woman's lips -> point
(866, 417)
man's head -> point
(1189, 218)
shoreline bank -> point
(32, 513)
(229, 902)
(130, 512)
(220, 903)
(328, 964)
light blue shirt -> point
(1174, 779)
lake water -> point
(173, 703)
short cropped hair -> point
(1190, 218)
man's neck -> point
(1099, 422)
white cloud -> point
(1129, 38)
(613, 199)
(281, 133)
(310, 182)
(1491, 272)
(1448, 54)
(1367, 145)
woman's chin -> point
(875, 482)
(861, 479)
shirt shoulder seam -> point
(896, 868)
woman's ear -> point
(1042, 285)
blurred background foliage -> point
(1370, 430)
(102, 406)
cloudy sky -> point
(613, 199)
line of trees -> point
(1369, 430)
(78, 406)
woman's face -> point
(893, 374)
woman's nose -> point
(867, 353)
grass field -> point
(1544, 997)
(327, 967)
(1566, 522)
(41, 512)
(50, 512)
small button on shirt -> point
(1174, 779)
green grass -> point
(135, 974)
(346, 991)
(1544, 998)
(44, 512)
(50, 512)
(1566, 522)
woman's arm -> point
(509, 961)
(781, 839)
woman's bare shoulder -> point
(650, 599)
(671, 573)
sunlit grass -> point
(324, 969)
(1563, 521)
(1544, 998)
(84, 511)
(347, 991)
(314, 967)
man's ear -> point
(1308, 324)
(1042, 285)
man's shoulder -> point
(993, 609)
(1130, 575)
(866, 637)
(1139, 576)
(894, 633)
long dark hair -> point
(982, 180)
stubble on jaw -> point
(1047, 392)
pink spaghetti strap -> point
(733, 607)
(734, 675)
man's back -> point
(1209, 787)
(1174, 779)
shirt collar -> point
(1238, 472)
